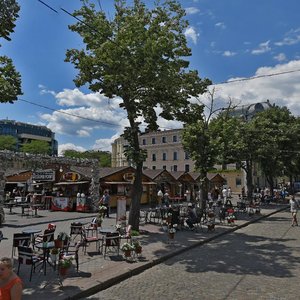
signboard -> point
(43, 175)
(71, 176)
(121, 210)
(61, 203)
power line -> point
(256, 77)
(68, 114)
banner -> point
(121, 210)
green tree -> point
(10, 79)
(278, 135)
(104, 157)
(36, 147)
(139, 56)
(8, 142)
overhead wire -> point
(125, 49)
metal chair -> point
(76, 232)
(26, 256)
(46, 237)
(87, 240)
(20, 239)
(111, 241)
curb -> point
(138, 270)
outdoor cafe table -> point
(45, 247)
(36, 207)
(32, 232)
(23, 206)
(107, 230)
(10, 205)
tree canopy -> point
(8, 142)
(10, 79)
(103, 156)
(139, 56)
(36, 147)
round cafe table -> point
(32, 232)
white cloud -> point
(192, 10)
(229, 53)
(105, 144)
(292, 38)
(280, 57)
(69, 146)
(220, 25)
(191, 33)
(283, 90)
(262, 48)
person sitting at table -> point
(192, 216)
(11, 285)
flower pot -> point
(138, 250)
(171, 235)
(63, 271)
(58, 244)
(127, 253)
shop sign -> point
(128, 177)
(71, 176)
(43, 175)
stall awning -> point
(70, 182)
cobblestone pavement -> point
(96, 273)
(260, 261)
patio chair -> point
(72, 252)
(92, 227)
(76, 232)
(47, 236)
(26, 256)
(87, 240)
(111, 241)
(20, 239)
(127, 234)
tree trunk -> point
(134, 213)
(203, 189)
(249, 179)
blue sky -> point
(230, 40)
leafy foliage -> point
(104, 157)
(10, 79)
(36, 147)
(139, 56)
(8, 142)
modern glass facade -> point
(25, 133)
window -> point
(186, 155)
(164, 139)
(153, 157)
(144, 141)
(164, 156)
(175, 168)
(153, 141)
(238, 181)
(153, 167)
(175, 156)
(187, 168)
(174, 138)
(164, 167)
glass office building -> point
(25, 133)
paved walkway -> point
(96, 272)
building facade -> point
(24, 133)
(164, 151)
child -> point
(10, 284)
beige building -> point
(164, 151)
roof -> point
(104, 172)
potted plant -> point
(102, 211)
(64, 264)
(127, 248)
(172, 233)
(53, 254)
(137, 247)
(62, 240)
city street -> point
(260, 261)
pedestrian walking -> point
(294, 208)
(105, 201)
